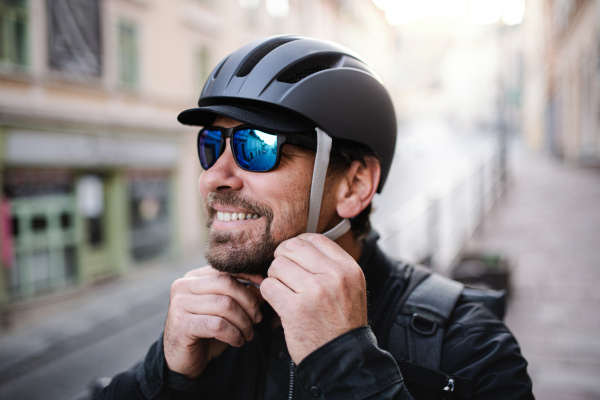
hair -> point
(343, 153)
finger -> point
(303, 253)
(221, 284)
(325, 246)
(209, 326)
(291, 274)
(315, 253)
(203, 271)
(245, 279)
(328, 247)
(218, 306)
(276, 293)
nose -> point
(223, 174)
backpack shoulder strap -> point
(429, 307)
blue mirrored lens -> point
(255, 150)
(209, 147)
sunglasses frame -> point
(295, 138)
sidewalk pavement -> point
(49, 331)
(548, 225)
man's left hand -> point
(317, 289)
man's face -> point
(273, 207)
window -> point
(74, 44)
(128, 55)
(14, 22)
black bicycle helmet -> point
(297, 83)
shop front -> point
(78, 208)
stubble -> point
(249, 251)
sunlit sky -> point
(398, 12)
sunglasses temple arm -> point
(304, 141)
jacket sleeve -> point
(151, 379)
(351, 366)
(477, 346)
(480, 347)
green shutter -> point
(14, 34)
(128, 55)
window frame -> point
(128, 55)
(15, 55)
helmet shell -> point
(314, 79)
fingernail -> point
(258, 317)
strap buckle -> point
(423, 325)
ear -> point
(357, 188)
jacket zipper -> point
(291, 387)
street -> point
(109, 327)
(95, 333)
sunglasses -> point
(253, 149)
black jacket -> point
(476, 346)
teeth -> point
(235, 216)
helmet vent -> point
(220, 66)
(259, 54)
(305, 68)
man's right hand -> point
(209, 310)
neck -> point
(350, 244)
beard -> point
(248, 251)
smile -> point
(235, 216)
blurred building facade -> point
(97, 175)
(562, 78)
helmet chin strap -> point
(317, 187)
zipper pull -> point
(449, 385)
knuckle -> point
(216, 324)
(173, 319)
(178, 285)
(315, 238)
(293, 244)
(339, 278)
(266, 288)
(337, 273)
(227, 303)
(267, 283)
(212, 299)
(176, 301)
(254, 303)
(246, 328)
(319, 292)
(276, 266)
(183, 323)
(357, 276)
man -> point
(298, 135)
